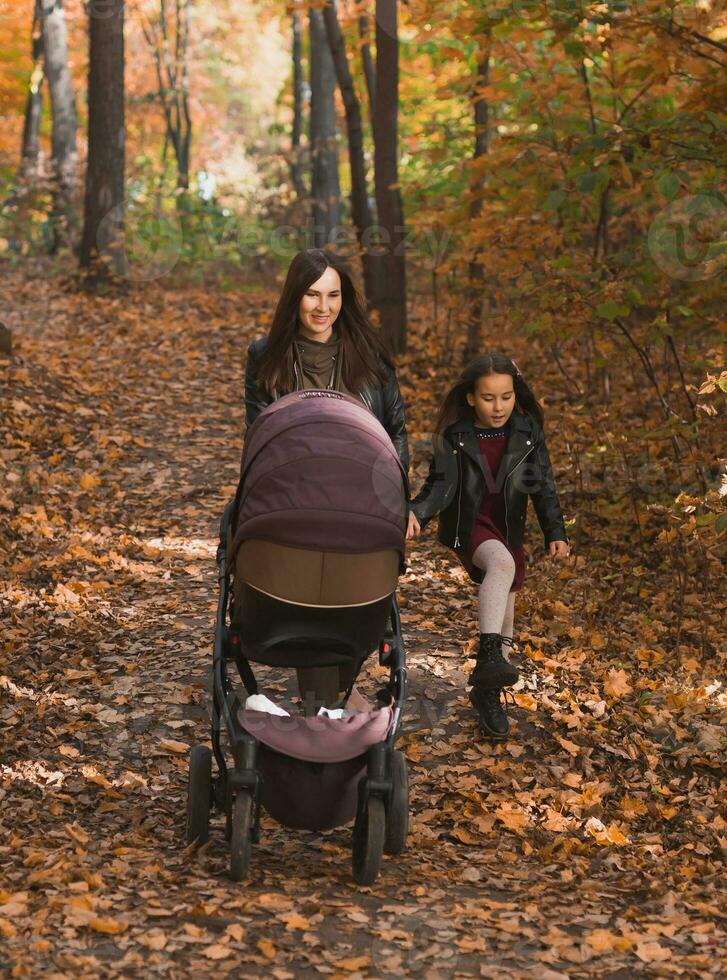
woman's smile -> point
(314, 322)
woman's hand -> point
(559, 549)
(414, 528)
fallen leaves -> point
(110, 927)
(267, 948)
(512, 819)
(92, 775)
(611, 835)
(172, 745)
(653, 952)
(217, 952)
(617, 684)
(599, 814)
(606, 941)
(155, 939)
(295, 921)
(352, 964)
(571, 748)
(88, 481)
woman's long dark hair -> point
(455, 405)
(362, 353)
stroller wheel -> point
(397, 814)
(199, 794)
(240, 839)
(369, 831)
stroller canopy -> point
(319, 474)
(319, 471)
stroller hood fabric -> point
(319, 471)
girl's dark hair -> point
(455, 405)
(363, 355)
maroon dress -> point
(490, 521)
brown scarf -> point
(317, 364)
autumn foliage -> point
(591, 843)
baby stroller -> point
(314, 544)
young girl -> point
(489, 457)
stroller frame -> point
(381, 822)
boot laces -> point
(500, 697)
(508, 700)
(526, 669)
(508, 641)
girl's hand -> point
(414, 529)
(559, 549)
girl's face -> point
(319, 307)
(493, 400)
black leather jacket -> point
(457, 481)
(386, 403)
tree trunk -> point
(30, 150)
(296, 168)
(183, 116)
(63, 110)
(476, 285)
(367, 61)
(392, 297)
(103, 204)
(325, 185)
(171, 62)
(360, 210)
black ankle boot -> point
(492, 671)
(488, 705)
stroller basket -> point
(311, 767)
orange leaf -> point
(603, 941)
(512, 819)
(109, 926)
(652, 952)
(353, 963)
(606, 835)
(172, 745)
(88, 481)
(617, 684)
(218, 952)
(266, 948)
(295, 921)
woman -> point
(321, 338)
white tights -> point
(496, 603)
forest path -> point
(587, 845)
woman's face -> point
(320, 306)
(493, 400)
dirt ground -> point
(589, 844)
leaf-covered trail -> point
(590, 844)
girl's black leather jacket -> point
(457, 481)
(386, 403)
